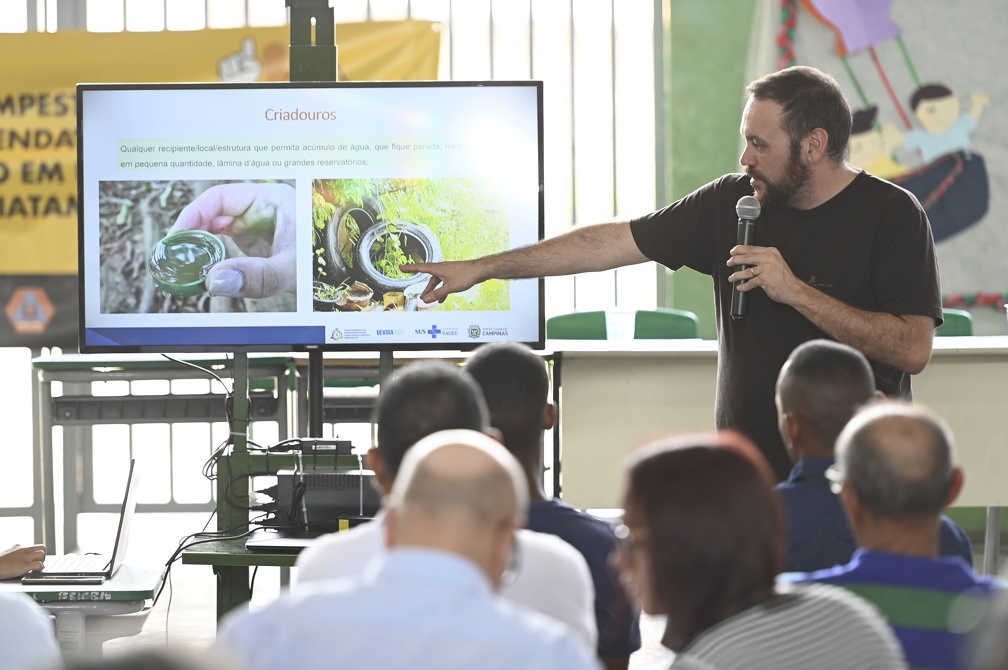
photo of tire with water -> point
(364, 229)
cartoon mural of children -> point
(871, 148)
(944, 127)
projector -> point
(318, 499)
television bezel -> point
(325, 347)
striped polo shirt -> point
(803, 627)
(932, 604)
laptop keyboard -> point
(77, 563)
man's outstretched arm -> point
(584, 249)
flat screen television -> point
(276, 216)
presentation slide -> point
(278, 216)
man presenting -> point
(837, 254)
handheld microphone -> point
(748, 210)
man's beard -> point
(792, 187)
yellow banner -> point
(38, 73)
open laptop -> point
(92, 568)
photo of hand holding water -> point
(198, 246)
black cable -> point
(171, 592)
(215, 538)
(227, 490)
(209, 472)
(252, 582)
(213, 374)
(203, 530)
(208, 466)
(226, 533)
(228, 399)
(297, 495)
(283, 443)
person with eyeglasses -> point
(450, 525)
(895, 472)
(702, 543)
(820, 387)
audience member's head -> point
(459, 491)
(820, 387)
(421, 399)
(704, 533)
(27, 636)
(896, 465)
(515, 385)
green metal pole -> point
(232, 485)
(312, 58)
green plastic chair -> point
(957, 322)
(577, 326)
(665, 323)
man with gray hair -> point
(452, 514)
(895, 473)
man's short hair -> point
(824, 383)
(809, 99)
(899, 459)
(516, 388)
(421, 399)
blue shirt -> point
(617, 618)
(932, 604)
(416, 608)
(819, 536)
(935, 145)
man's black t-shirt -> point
(870, 246)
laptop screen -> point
(125, 519)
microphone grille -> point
(748, 207)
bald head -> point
(899, 459)
(459, 491)
(821, 386)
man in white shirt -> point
(429, 601)
(422, 399)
